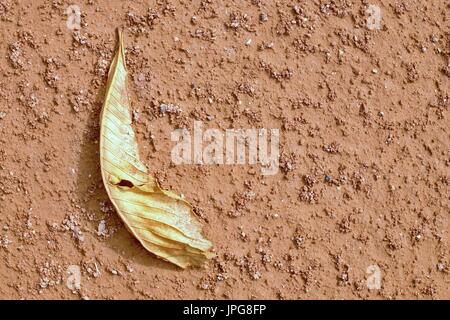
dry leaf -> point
(163, 222)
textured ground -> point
(364, 119)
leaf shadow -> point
(90, 194)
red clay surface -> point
(364, 173)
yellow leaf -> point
(163, 222)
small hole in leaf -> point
(125, 183)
